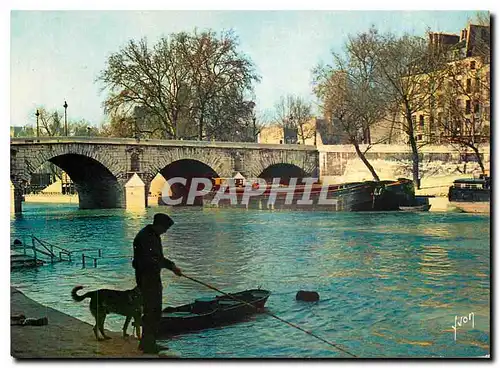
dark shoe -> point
(155, 349)
(151, 350)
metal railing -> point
(56, 253)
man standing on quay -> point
(148, 262)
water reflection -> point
(435, 264)
(387, 287)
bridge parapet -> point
(101, 166)
(159, 142)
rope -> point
(272, 315)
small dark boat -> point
(211, 312)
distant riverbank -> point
(51, 198)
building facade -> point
(460, 105)
(315, 131)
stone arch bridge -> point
(100, 167)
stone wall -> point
(340, 163)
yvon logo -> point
(461, 321)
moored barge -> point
(471, 194)
(386, 195)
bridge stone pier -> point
(100, 167)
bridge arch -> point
(96, 175)
(85, 150)
(283, 171)
(187, 169)
(95, 184)
(214, 159)
(97, 187)
(306, 162)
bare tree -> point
(293, 112)
(218, 70)
(182, 80)
(482, 18)
(302, 115)
(121, 126)
(350, 93)
(25, 131)
(50, 123)
(283, 110)
(409, 74)
(138, 75)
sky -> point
(56, 56)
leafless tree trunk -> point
(363, 158)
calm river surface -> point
(391, 284)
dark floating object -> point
(17, 242)
(307, 296)
(212, 312)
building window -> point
(473, 64)
(467, 106)
(476, 107)
(487, 113)
(468, 86)
(419, 137)
(469, 157)
(440, 119)
(440, 101)
(477, 84)
(421, 121)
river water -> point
(391, 284)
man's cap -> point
(163, 219)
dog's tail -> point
(79, 298)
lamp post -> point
(37, 114)
(315, 130)
(288, 139)
(254, 129)
(251, 104)
(65, 118)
